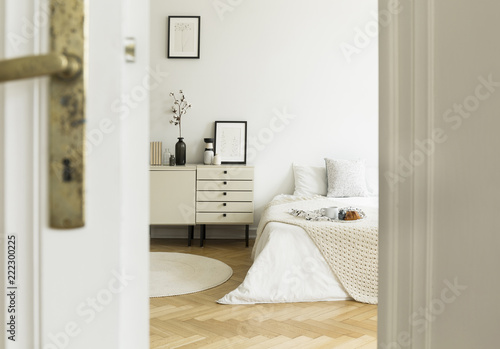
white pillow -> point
(309, 180)
(372, 180)
(346, 178)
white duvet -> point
(288, 267)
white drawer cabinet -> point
(201, 194)
(172, 196)
(224, 195)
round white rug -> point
(173, 274)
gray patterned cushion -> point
(346, 178)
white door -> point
(86, 287)
(439, 233)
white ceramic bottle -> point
(208, 156)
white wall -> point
(262, 57)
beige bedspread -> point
(350, 248)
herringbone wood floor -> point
(196, 321)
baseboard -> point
(213, 232)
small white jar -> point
(217, 159)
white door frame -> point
(20, 206)
(398, 275)
(2, 175)
(406, 180)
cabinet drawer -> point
(225, 185)
(224, 207)
(244, 173)
(224, 218)
(224, 196)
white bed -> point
(289, 267)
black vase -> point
(180, 152)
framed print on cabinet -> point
(231, 141)
(183, 37)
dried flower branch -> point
(179, 108)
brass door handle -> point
(64, 66)
(66, 115)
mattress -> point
(288, 267)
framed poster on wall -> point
(231, 141)
(183, 37)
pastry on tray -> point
(351, 213)
(352, 216)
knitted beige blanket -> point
(350, 248)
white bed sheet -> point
(288, 267)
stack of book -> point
(155, 154)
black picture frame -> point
(231, 141)
(183, 37)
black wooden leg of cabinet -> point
(247, 228)
(203, 230)
(190, 234)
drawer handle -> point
(225, 193)
(224, 215)
(225, 172)
(225, 183)
(224, 204)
